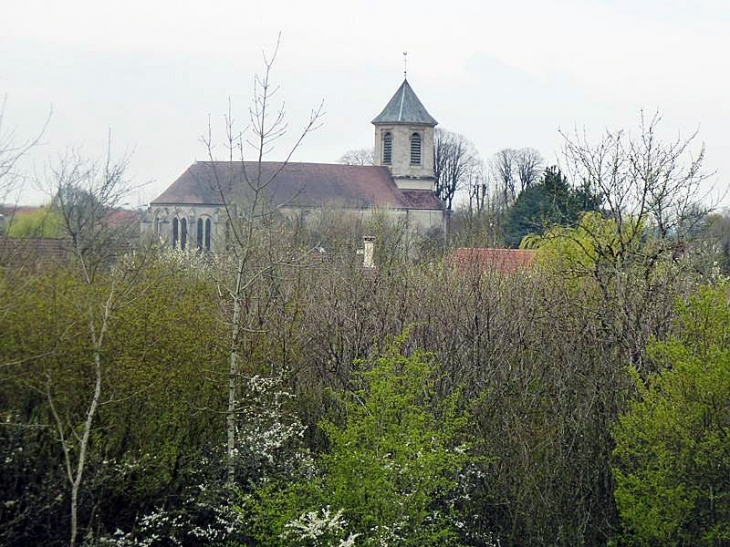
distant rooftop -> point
(405, 107)
(488, 259)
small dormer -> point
(404, 140)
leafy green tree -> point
(672, 455)
(156, 437)
(553, 201)
(44, 222)
(398, 453)
(590, 247)
(391, 472)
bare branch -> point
(454, 159)
(12, 151)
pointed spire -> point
(405, 107)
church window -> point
(388, 148)
(175, 232)
(183, 233)
(203, 235)
(415, 149)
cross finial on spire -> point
(405, 64)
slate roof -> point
(421, 199)
(405, 107)
(294, 185)
(487, 259)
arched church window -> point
(183, 233)
(208, 226)
(415, 149)
(199, 234)
(157, 226)
(175, 232)
(388, 148)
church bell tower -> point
(404, 140)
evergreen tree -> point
(553, 201)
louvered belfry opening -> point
(388, 148)
(415, 149)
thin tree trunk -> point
(233, 376)
(75, 475)
(76, 483)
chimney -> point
(368, 252)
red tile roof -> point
(294, 185)
(500, 260)
(123, 218)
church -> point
(191, 212)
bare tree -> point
(644, 181)
(653, 195)
(515, 170)
(477, 188)
(528, 164)
(85, 192)
(358, 156)
(454, 158)
(254, 254)
(11, 151)
(503, 169)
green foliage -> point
(398, 452)
(553, 201)
(158, 420)
(595, 242)
(45, 222)
(336, 434)
(672, 455)
(391, 466)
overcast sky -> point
(502, 73)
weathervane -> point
(405, 64)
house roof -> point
(293, 185)
(43, 251)
(405, 107)
(499, 260)
(32, 250)
(9, 211)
